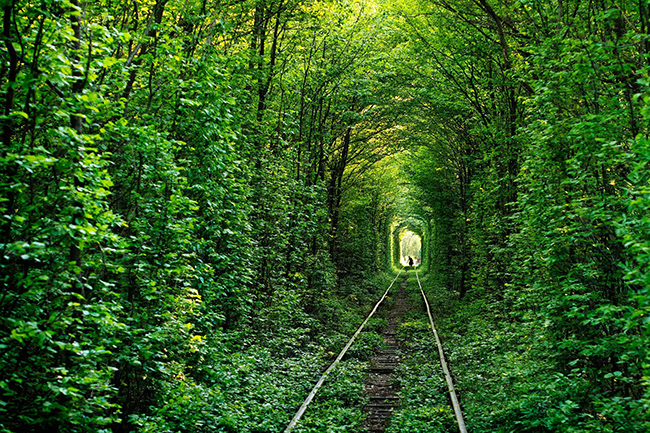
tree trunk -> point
(76, 122)
(7, 122)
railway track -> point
(380, 386)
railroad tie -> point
(382, 394)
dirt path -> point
(380, 389)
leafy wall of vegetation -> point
(190, 190)
(172, 201)
(529, 144)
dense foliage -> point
(172, 179)
(196, 199)
(531, 154)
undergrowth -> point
(505, 373)
(260, 376)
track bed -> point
(380, 388)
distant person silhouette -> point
(410, 261)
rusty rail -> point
(445, 369)
(313, 392)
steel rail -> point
(313, 392)
(445, 369)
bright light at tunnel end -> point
(410, 249)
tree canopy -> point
(198, 200)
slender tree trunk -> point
(7, 122)
(643, 13)
(335, 192)
(142, 48)
(76, 122)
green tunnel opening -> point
(408, 238)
